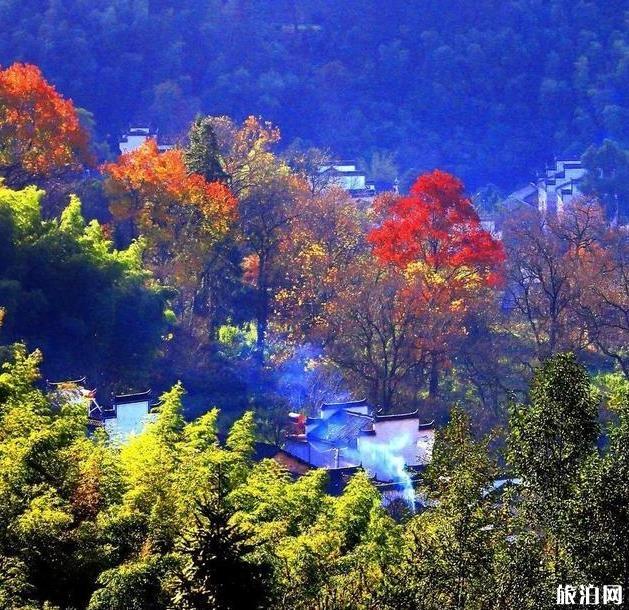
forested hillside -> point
(486, 356)
(489, 90)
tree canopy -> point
(92, 309)
(490, 102)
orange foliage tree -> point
(40, 132)
(269, 195)
(326, 236)
(450, 262)
(180, 215)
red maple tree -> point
(436, 224)
(434, 236)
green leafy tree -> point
(217, 572)
(550, 438)
(447, 559)
(598, 523)
(134, 585)
(92, 309)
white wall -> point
(132, 142)
(401, 437)
(130, 419)
(351, 183)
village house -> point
(350, 435)
(134, 137)
(125, 417)
(343, 438)
(128, 415)
(347, 176)
(556, 189)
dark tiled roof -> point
(343, 405)
(295, 465)
(427, 426)
(399, 416)
(343, 172)
(137, 396)
(341, 428)
(393, 416)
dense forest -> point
(176, 520)
(231, 266)
(488, 90)
(228, 274)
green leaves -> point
(173, 520)
(550, 438)
(65, 289)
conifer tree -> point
(549, 441)
(202, 155)
(217, 572)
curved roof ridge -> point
(343, 404)
(357, 414)
(131, 396)
(67, 381)
(385, 417)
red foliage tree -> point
(450, 262)
(437, 225)
(40, 132)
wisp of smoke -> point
(306, 385)
(386, 463)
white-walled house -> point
(128, 415)
(560, 186)
(347, 176)
(350, 434)
(556, 189)
(134, 137)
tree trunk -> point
(433, 382)
(262, 323)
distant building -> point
(556, 189)
(350, 434)
(560, 186)
(128, 415)
(134, 137)
(488, 223)
(345, 175)
(299, 28)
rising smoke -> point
(386, 463)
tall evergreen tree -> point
(202, 155)
(549, 441)
(217, 572)
(598, 540)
